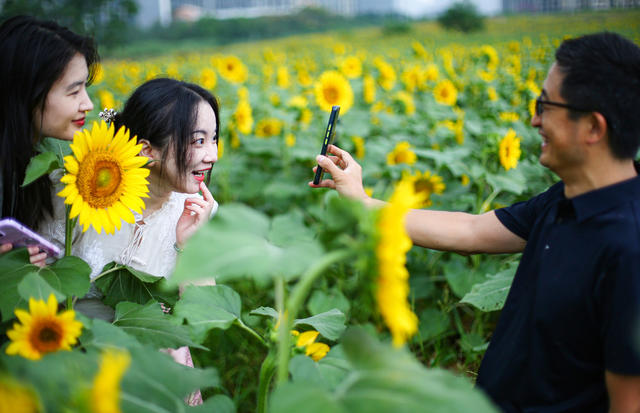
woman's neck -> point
(159, 193)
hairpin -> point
(108, 115)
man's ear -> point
(598, 128)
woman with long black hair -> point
(43, 78)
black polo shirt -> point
(573, 310)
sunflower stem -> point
(68, 230)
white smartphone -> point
(19, 235)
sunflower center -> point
(99, 179)
(423, 186)
(331, 94)
(47, 336)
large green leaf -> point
(34, 286)
(149, 325)
(512, 181)
(321, 301)
(383, 379)
(124, 283)
(154, 383)
(329, 324)
(39, 165)
(103, 334)
(207, 307)
(73, 274)
(218, 404)
(491, 294)
(14, 266)
(241, 242)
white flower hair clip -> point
(108, 115)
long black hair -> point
(163, 111)
(35, 54)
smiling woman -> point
(43, 80)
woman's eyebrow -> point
(75, 85)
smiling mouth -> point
(199, 175)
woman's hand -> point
(345, 171)
(195, 214)
(35, 256)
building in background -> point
(550, 6)
(165, 11)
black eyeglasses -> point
(540, 106)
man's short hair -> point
(602, 74)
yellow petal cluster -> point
(16, 398)
(268, 127)
(105, 178)
(105, 392)
(509, 150)
(445, 93)
(232, 69)
(313, 349)
(393, 278)
(41, 330)
(424, 184)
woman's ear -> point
(147, 149)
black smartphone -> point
(328, 140)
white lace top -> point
(146, 247)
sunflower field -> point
(320, 303)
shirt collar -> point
(600, 200)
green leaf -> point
(149, 325)
(218, 403)
(433, 322)
(460, 276)
(329, 372)
(321, 301)
(329, 324)
(124, 283)
(207, 307)
(103, 335)
(491, 294)
(243, 242)
(297, 397)
(39, 165)
(14, 266)
(265, 312)
(155, 383)
(73, 274)
(513, 182)
(34, 286)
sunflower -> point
(386, 74)
(351, 67)
(532, 107)
(509, 116)
(392, 287)
(16, 398)
(426, 184)
(369, 89)
(268, 127)
(358, 142)
(509, 150)
(431, 73)
(445, 93)
(406, 100)
(290, 140)
(105, 178)
(282, 77)
(402, 153)
(243, 117)
(42, 330)
(106, 99)
(419, 50)
(413, 78)
(492, 94)
(105, 393)
(208, 78)
(333, 89)
(232, 69)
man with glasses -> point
(568, 338)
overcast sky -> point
(418, 8)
